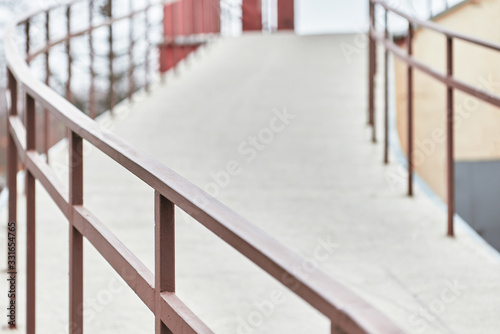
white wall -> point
(327, 16)
(338, 16)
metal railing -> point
(412, 63)
(347, 312)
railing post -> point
(450, 161)
(111, 57)
(75, 237)
(148, 45)
(69, 95)
(410, 111)
(46, 125)
(30, 220)
(372, 77)
(164, 255)
(131, 52)
(92, 104)
(371, 46)
(28, 39)
(386, 92)
(12, 164)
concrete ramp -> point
(275, 127)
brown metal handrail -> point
(348, 313)
(448, 79)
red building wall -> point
(286, 15)
(182, 19)
(252, 15)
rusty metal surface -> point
(347, 312)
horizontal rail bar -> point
(437, 28)
(28, 16)
(84, 31)
(47, 177)
(138, 277)
(344, 308)
(38, 166)
(179, 318)
(124, 262)
(447, 80)
(18, 131)
(318, 289)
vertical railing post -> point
(371, 70)
(450, 161)
(28, 39)
(410, 111)
(374, 71)
(92, 101)
(46, 126)
(148, 45)
(30, 219)
(131, 52)
(386, 91)
(69, 95)
(111, 57)
(75, 237)
(12, 165)
(27, 33)
(164, 255)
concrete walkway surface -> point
(275, 127)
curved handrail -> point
(347, 312)
(88, 30)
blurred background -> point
(312, 17)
